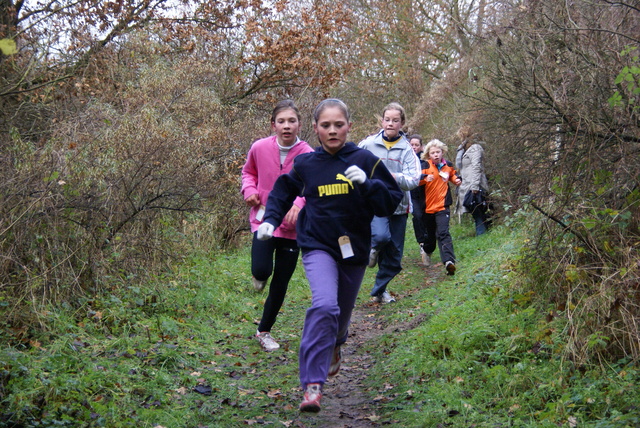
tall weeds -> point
(560, 142)
(124, 182)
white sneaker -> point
(387, 297)
(426, 259)
(373, 258)
(266, 341)
(258, 285)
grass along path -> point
(460, 351)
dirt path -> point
(346, 401)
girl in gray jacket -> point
(387, 233)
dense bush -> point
(570, 151)
(124, 150)
(126, 180)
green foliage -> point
(133, 358)
(584, 260)
(140, 184)
(8, 47)
(131, 166)
(487, 355)
(478, 351)
(628, 81)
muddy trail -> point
(346, 401)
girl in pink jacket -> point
(269, 158)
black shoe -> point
(450, 267)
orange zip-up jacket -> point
(437, 193)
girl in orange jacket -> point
(436, 175)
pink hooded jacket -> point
(261, 171)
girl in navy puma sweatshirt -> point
(344, 187)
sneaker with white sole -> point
(373, 257)
(336, 360)
(450, 267)
(311, 400)
(426, 257)
(266, 341)
(257, 284)
(387, 297)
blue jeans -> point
(387, 236)
(480, 219)
(334, 289)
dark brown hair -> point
(285, 105)
(395, 106)
(415, 137)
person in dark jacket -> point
(344, 187)
(418, 204)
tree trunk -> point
(481, 7)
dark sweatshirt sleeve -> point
(382, 191)
(285, 190)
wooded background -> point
(124, 125)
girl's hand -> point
(457, 181)
(253, 200)
(430, 177)
(292, 215)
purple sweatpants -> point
(334, 289)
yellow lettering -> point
(334, 189)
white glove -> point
(355, 174)
(265, 231)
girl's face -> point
(391, 123)
(415, 145)
(435, 154)
(332, 129)
(286, 127)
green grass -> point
(487, 357)
(483, 356)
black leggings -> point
(262, 266)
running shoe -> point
(387, 297)
(266, 341)
(336, 360)
(426, 257)
(450, 267)
(312, 396)
(257, 284)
